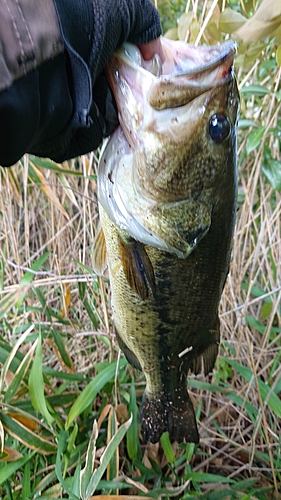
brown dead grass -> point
(32, 224)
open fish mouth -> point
(187, 72)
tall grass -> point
(66, 393)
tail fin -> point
(164, 414)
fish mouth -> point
(187, 72)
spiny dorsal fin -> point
(137, 267)
(99, 252)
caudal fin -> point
(163, 414)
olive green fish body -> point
(177, 327)
(167, 196)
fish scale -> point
(168, 254)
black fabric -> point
(63, 112)
(33, 108)
(77, 28)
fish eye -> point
(219, 127)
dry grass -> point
(232, 443)
(32, 225)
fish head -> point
(178, 121)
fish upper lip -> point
(187, 72)
(226, 52)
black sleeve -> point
(66, 103)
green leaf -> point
(29, 275)
(36, 384)
(88, 395)
(59, 462)
(8, 362)
(91, 313)
(60, 343)
(64, 375)
(76, 479)
(257, 90)
(205, 477)
(133, 444)
(239, 401)
(36, 266)
(106, 457)
(10, 468)
(255, 323)
(244, 124)
(87, 471)
(26, 481)
(51, 165)
(205, 386)
(272, 171)
(189, 451)
(167, 447)
(18, 378)
(28, 437)
(230, 20)
(254, 139)
(273, 402)
(266, 310)
(5, 351)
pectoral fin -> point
(137, 266)
(99, 252)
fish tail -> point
(163, 414)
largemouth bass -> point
(167, 187)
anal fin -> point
(129, 355)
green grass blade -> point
(26, 436)
(257, 90)
(76, 479)
(133, 443)
(59, 341)
(36, 266)
(273, 400)
(59, 462)
(87, 471)
(106, 457)
(205, 477)
(89, 393)
(10, 468)
(167, 447)
(11, 355)
(36, 384)
(19, 376)
(26, 481)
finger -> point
(149, 49)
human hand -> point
(109, 24)
(149, 49)
(136, 21)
